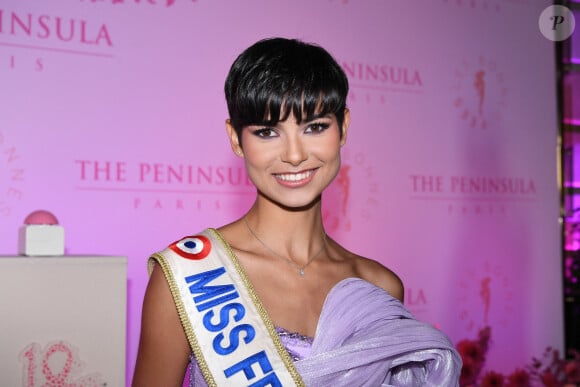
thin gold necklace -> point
(290, 261)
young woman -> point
(270, 299)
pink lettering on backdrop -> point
(11, 174)
(426, 183)
(102, 170)
(492, 185)
(469, 185)
(160, 173)
(373, 82)
(55, 28)
(415, 297)
(382, 73)
(473, 195)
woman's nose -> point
(295, 151)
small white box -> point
(41, 239)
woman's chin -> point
(294, 203)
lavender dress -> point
(365, 337)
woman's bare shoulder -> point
(381, 276)
(163, 348)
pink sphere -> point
(41, 217)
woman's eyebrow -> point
(315, 117)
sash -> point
(233, 340)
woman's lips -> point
(297, 179)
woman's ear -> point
(234, 139)
(345, 125)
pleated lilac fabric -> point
(366, 337)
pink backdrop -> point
(112, 117)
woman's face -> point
(291, 163)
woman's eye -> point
(317, 127)
(265, 132)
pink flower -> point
(518, 378)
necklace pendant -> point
(301, 272)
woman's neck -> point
(289, 232)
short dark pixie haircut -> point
(277, 76)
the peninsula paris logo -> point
(155, 185)
(473, 194)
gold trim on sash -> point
(265, 318)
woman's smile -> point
(297, 179)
